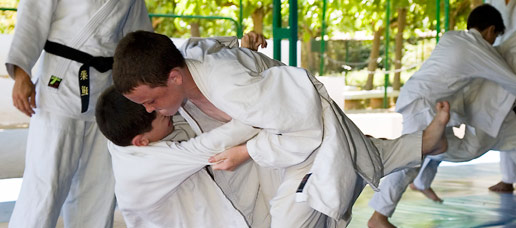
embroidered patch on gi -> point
(303, 183)
(54, 81)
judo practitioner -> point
(467, 71)
(504, 43)
(160, 181)
(67, 167)
(324, 159)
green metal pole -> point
(292, 18)
(446, 15)
(8, 9)
(276, 27)
(437, 19)
(240, 32)
(151, 15)
(323, 30)
(386, 60)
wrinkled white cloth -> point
(298, 120)
(466, 71)
(460, 58)
(68, 166)
(164, 184)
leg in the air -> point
(434, 139)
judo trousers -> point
(508, 166)
(67, 166)
(286, 212)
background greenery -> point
(351, 25)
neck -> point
(192, 92)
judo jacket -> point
(467, 71)
(85, 29)
(297, 119)
(165, 184)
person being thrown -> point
(159, 169)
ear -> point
(175, 76)
(491, 30)
(140, 140)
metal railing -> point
(238, 26)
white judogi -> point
(164, 184)
(302, 131)
(458, 59)
(67, 163)
(507, 40)
(480, 87)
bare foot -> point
(434, 139)
(429, 193)
(502, 187)
(378, 220)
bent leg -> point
(397, 154)
(392, 188)
(425, 177)
(427, 173)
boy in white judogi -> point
(160, 176)
(506, 44)
(67, 167)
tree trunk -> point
(306, 53)
(373, 57)
(257, 17)
(194, 29)
(402, 19)
(475, 3)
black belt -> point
(101, 64)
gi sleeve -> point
(33, 21)
(160, 167)
(292, 125)
(282, 102)
(138, 18)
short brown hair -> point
(143, 57)
(483, 16)
(120, 119)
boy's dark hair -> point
(484, 16)
(120, 119)
(144, 58)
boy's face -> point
(163, 99)
(162, 126)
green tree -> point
(7, 18)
